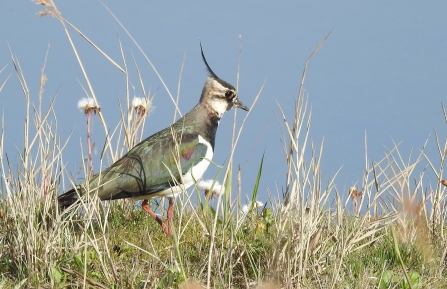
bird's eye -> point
(229, 94)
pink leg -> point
(170, 215)
(147, 208)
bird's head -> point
(218, 94)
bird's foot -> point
(166, 228)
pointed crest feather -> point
(208, 68)
(212, 74)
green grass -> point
(311, 239)
(141, 254)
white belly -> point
(194, 174)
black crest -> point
(208, 68)
(211, 72)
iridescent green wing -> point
(153, 165)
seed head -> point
(246, 208)
(206, 187)
(353, 192)
(86, 105)
(141, 105)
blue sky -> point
(382, 71)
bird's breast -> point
(198, 169)
(193, 175)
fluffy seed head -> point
(246, 208)
(206, 185)
(86, 105)
(141, 105)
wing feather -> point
(153, 165)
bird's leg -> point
(170, 216)
(147, 208)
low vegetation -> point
(388, 233)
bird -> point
(168, 162)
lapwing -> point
(168, 162)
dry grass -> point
(308, 239)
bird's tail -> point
(68, 198)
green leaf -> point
(96, 275)
(386, 278)
(57, 275)
(226, 204)
(78, 261)
(415, 280)
(213, 214)
(255, 189)
(405, 284)
(267, 213)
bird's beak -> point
(238, 104)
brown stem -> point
(89, 143)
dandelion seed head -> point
(141, 105)
(137, 102)
(206, 185)
(256, 205)
(88, 104)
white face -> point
(219, 105)
(216, 97)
